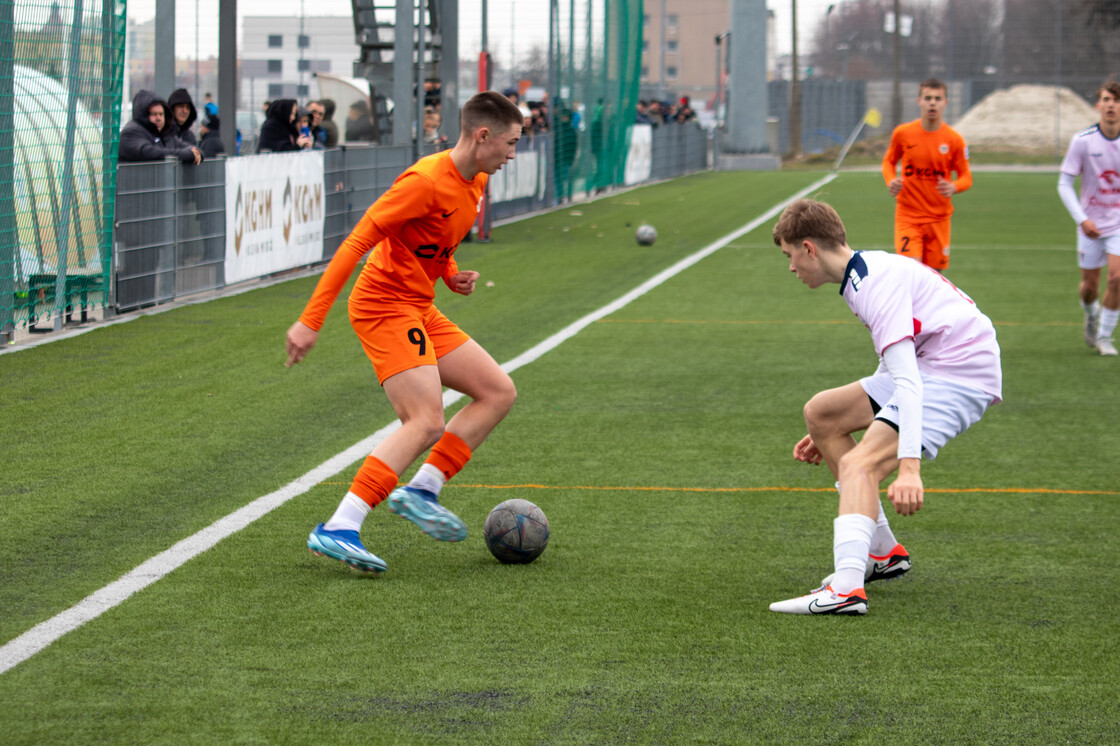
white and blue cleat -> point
(422, 508)
(346, 547)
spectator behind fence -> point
(209, 106)
(327, 123)
(685, 113)
(359, 125)
(642, 114)
(183, 115)
(211, 142)
(149, 136)
(303, 126)
(279, 133)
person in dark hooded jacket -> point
(211, 141)
(279, 132)
(183, 115)
(150, 135)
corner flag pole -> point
(873, 119)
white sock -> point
(851, 544)
(1109, 317)
(349, 515)
(428, 478)
(1092, 310)
(882, 541)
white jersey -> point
(898, 298)
(1096, 159)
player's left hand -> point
(906, 493)
(806, 450)
(463, 282)
(946, 188)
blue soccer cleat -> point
(344, 546)
(422, 508)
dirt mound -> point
(1026, 117)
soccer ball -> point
(516, 531)
(646, 234)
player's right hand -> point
(806, 450)
(301, 338)
(895, 187)
(1090, 229)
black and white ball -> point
(516, 531)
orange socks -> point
(449, 455)
(374, 481)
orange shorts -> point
(405, 337)
(926, 242)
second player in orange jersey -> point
(930, 153)
(413, 231)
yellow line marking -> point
(946, 490)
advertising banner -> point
(639, 159)
(274, 213)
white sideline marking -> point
(92, 606)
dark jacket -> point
(211, 143)
(180, 96)
(141, 142)
(328, 124)
(278, 133)
(360, 127)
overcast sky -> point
(524, 23)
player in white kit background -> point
(1094, 155)
(939, 371)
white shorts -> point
(1092, 252)
(948, 409)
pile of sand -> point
(1026, 117)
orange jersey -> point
(413, 229)
(926, 157)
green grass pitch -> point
(658, 441)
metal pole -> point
(661, 51)
(1057, 88)
(896, 92)
(164, 81)
(485, 31)
(197, 82)
(795, 90)
(418, 140)
(227, 75)
(9, 251)
(67, 181)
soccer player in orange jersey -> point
(413, 230)
(930, 152)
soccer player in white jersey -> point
(1094, 155)
(939, 371)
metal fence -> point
(170, 232)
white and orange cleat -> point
(824, 601)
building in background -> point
(281, 54)
(688, 47)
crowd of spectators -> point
(165, 128)
(657, 113)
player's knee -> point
(818, 413)
(428, 427)
(504, 395)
